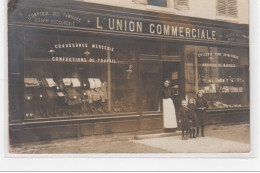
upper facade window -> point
(178, 4)
(159, 3)
(182, 4)
(227, 8)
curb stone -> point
(157, 135)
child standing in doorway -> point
(185, 119)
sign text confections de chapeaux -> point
(82, 60)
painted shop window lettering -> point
(54, 18)
(70, 75)
(220, 73)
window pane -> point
(170, 49)
(123, 76)
(150, 48)
(151, 81)
(82, 76)
(123, 86)
(72, 80)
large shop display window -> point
(222, 74)
(67, 75)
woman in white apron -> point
(169, 114)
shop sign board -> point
(124, 24)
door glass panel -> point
(151, 86)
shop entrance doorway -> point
(151, 82)
(171, 71)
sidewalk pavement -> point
(219, 139)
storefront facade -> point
(78, 69)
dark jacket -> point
(185, 116)
(202, 114)
(194, 117)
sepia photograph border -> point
(212, 164)
(254, 120)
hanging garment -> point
(99, 93)
(75, 82)
(169, 114)
(73, 97)
(90, 96)
(60, 86)
(85, 84)
(104, 92)
(43, 82)
(97, 82)
(28, 82)
(50, 82)
(67, 81)
(96, 94)
(51, 94)
(84, 97)
(60, 89)
(92, 83)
